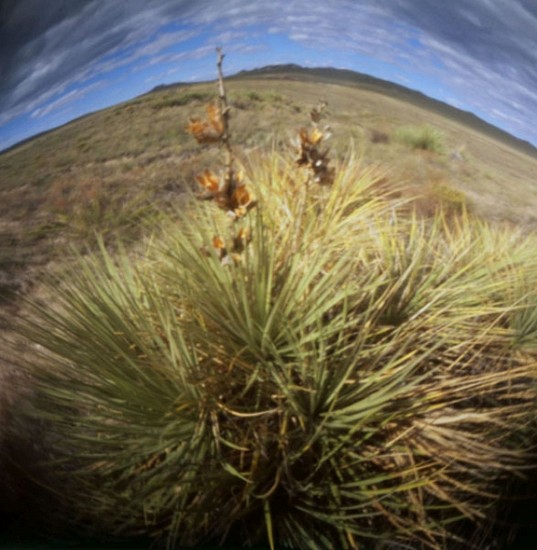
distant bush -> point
(167, 102)
(254, 96)
(377, 136)
(453, 199)
(436, 197)
(423, 137)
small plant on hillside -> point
(436, 197)
(426, 138)
(355, 378)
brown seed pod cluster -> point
(228, 190)
(209, 130)
(232, 196)
(311, 152)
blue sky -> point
(60, 59)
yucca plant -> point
(322, 373)
(357, 378)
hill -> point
(366, 82)
(108, 170)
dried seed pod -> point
(313, 157)
(209, 181)
(210, 130)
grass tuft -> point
(426, 138)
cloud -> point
(75, 40)
(164, 41)
(483, 53)
(72, 96)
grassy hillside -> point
(114, 164)
(301, 297)
(109, 171)
(384, 87)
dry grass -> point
(141, 147)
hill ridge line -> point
(292, 71)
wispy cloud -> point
(68, 98)
(482, 54)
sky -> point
(60, 59)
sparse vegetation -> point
(166, 101)
(423, 137)
(88, 208)
(254, 96)
(341, 374)
(452, 200)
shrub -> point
(438, 196)
(424, 137)
(254, 96)
(358, 378)
(378, 136)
